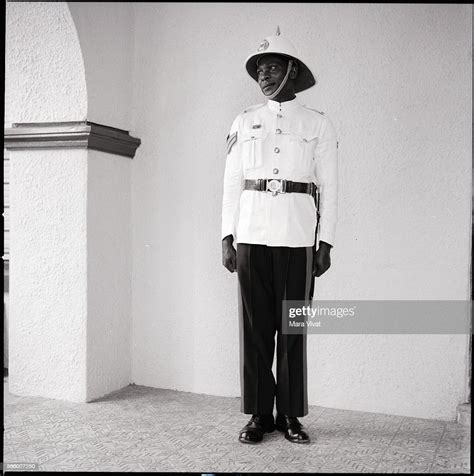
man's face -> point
(271, 70)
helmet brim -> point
(304, 79)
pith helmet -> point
(278, 45)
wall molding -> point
(77, 134)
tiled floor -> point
(147, 429)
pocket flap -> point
(252, 134)
(303, 136)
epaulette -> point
(315, 110)
(253, 108)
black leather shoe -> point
(254, 430)
(293, 429)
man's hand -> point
(229, 255)
(322, 259)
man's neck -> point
(284, 97)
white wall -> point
(395, 79)
(48, 276)
(70, 289)
(44, 71)
(109, 271)
(105, 33)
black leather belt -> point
(280, 186)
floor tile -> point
(140, 428)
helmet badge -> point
(263, 45)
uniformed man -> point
(281, 164)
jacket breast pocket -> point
(303, 146)
(252, 147)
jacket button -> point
(278, 131)
(277, 150)
(279, 116)
(275, 171)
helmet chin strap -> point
(282, 85)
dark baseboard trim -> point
(78, 135)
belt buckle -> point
(276, 186)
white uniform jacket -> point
(283, 141)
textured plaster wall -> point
(71, 244)
(105, 33)
(44, 71)
(395, 80)
(48, 275)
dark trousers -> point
(267, 275)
